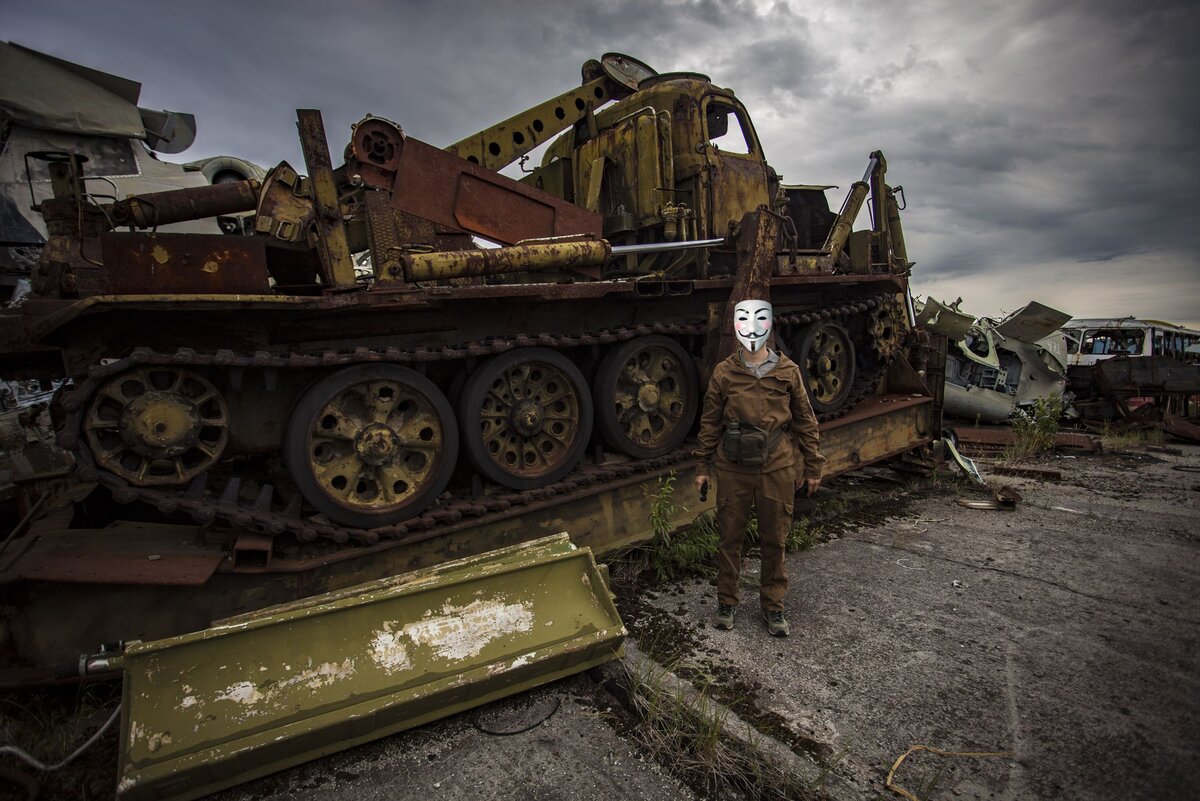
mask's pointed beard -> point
(754, 346)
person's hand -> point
(808, 486)
(701, 480)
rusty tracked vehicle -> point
(272, 387)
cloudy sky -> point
(1047, 148)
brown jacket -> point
(777, 399)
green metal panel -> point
(274, 688)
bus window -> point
(1072, 337)
(1113, 341)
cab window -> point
(725, 129)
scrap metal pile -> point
(193, 358)
(356, 387)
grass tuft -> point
(1034, 429)
(1138, 439)
(685, 732)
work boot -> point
(776, 625)
(724, 618)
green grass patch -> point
(1137, 440)
(1034, 429)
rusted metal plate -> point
(1178, 427)
(985, 436)
(54, 627)
(1146, 375)
(184, 263)
(258, 693)
(875, 430)
(332, 244)
(122, 553)
(438, 186)
(1004, 437)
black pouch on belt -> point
(749, 445)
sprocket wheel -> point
(157, 426)
(886, 329)
(825, 355)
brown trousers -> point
(770, 495)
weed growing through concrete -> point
(1112, 440)
(689, 551)
(684, 731)
(1034, 430)
(804, 534)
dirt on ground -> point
(1060, 635)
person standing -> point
(759, 435)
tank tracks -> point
(268, 514)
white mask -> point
(752, 323)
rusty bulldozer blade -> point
(271, 689)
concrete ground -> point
(575, 753)
(1064, 632)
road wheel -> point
(646, 397)
(527, 417)
(372, 445)
(157, 426)
(825, 355)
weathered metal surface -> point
(876, 429)
(556, 256)
(964, 463)
(503, 143)
(285, 209)
(980, 441)
(259, 693)
(757, 235)
(658, 184)
(438, 186)
(1178, 427)
(840, 231)
(52, 627)
(945, 320)
(331, 243)
(162, 425)
(122, 553)
(153, 209)
(1146, 375)
(1032, 322)
(184, 264)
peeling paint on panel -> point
(244, 692)
(463, 631)
(388, 651)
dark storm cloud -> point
(1046, 148)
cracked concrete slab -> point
(1064, 632)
